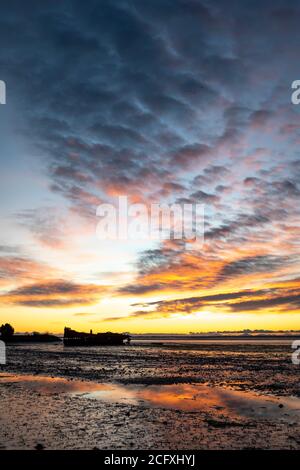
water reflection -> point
(197, 397)
(53, 385)
(184, 397)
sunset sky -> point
(162, 101)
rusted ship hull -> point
(75, 338)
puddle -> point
(53, 385)
(184, 397)
(193, 398)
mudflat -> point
(231, 395)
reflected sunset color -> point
(183, 397)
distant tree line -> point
(6, 331)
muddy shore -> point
(208, 396)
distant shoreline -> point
(214, 337)
(49, 338)
(33, 338)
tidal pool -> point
(182, 397)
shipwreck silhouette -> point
(75, 338)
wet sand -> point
(176, 397)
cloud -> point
(204, 197)
(84, 314)
(54, 294)
(192, 304)
(239, 301)
(168, 270)
(211, 174)
(16, 267)
(286, 303)
(160, 99)
(260, 118)
(253, 264)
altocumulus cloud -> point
(54, 294)
(240, 301)
(155, 99)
